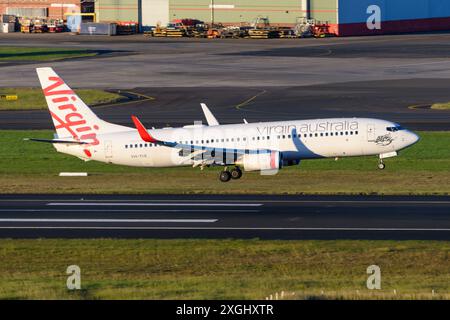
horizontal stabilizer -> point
(56, 141)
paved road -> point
(258, 80)
(267, 217)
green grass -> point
(41, 54)
(32, 98)
(441, 106)
(30, 167)
(222, 269)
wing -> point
(198, 154)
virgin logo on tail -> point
(71, 120)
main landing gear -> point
(235, 173)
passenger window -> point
(268, 137)
(321, 134)
(356, 132)
(315, 134)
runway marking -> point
(236, 201)
(113, 220)
(419, 64)
(128, 210)
(178, 204)
(246, 102)
(228, 228)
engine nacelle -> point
(262, 161)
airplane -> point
(264, 146)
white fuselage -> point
(295, 140)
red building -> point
(51, 9)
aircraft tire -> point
(236, 173)
(225, 176)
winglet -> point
(212, 121)
(142, 131)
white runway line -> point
(173, 204)
(227, 228)
(114, 220)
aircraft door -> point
(371, 132)
(108, 149)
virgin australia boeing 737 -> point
(264, 147)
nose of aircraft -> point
(412, 138)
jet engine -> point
(261, 161)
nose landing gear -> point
(381, 165)
(234, 174)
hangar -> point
(345, 17)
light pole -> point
(212, 13)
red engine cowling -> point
(261, 162)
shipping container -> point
(105, 29)
(8, 27)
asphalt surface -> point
(266, 217)
(275, 79)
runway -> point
(265, 217)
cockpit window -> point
(394, 129)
